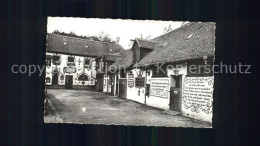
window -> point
(48, 61)
(56, 60)
(87, 63)
(122, 73)
(139, 81)
(48, 80)
(71, 61)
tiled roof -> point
(125, 61)
(146, 43)
(111, 57)
(77, 46)
(191, 41)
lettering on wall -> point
(198, 94)
(130, 79)
(159, 88)
(69, 70)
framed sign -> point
(159, 88)
(131, 80)
(69, 70)
(139, 81)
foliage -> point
(103, 37)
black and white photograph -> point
(129, 72)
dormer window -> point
(56, 60)
(71, 61)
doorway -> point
(122, 88)
(68, 82)
(112, 80)
(55, 78)
(117, 85)
(175, 93)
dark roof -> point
(111, 57)
(125, 61)
(146, 43)
(77, 46)
(191, 41)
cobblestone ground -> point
(90, 107)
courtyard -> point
(91, 107)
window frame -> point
(56, 61)
(71, 63)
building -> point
(158, 71)
(104, 77)
(70, 61)
(121, 66)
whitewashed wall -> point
(197, 107)
(132, 93)
(162, 102)
(149, 76)
(79, 70)
(105, 84)
(159, 101)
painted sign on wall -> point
(198, 94)
(159, 88)
(69, 70)
(131, 80)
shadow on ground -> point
(59, 106)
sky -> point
(126, 29)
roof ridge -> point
(185, 25)
(84, 39)
(146, 40)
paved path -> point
(101, 108)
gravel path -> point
(90, 107)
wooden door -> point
(68, 82)
(99, 84)
(117, 85)
(122, 88)
(55, 78)
(112, 84)
(175, 93)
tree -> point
(104, 37)
(147, 37)
(73, 34)
(167, 29)
(56, 32)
